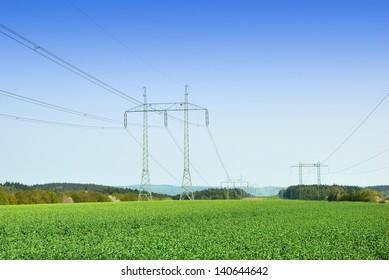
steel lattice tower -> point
(318, 166)
(145, 187)
(300, 174)
(186, 187)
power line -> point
(217, 152)
(186, 186)
(109, 34)
(66, 110)
(63, 63)
(58, 108)
(69, 66)
(367, 171)
(369, 142)
(152, 157)
(191, 163)
(362, 162)
(317, 166)
(355, 130)
(18, 118)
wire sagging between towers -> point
(355, 130)
(56, 107)
(71, 67)
(218, 154)
(63, 63)
(17, 118)
(179, 106)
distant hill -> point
(175, 190)
(163, 190)
(17, 193)
(169, 190)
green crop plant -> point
(278, 229)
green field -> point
(245, 230)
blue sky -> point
(284, 81)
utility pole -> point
(300, 179)
(318, 166)
(235, 183)
(145, 186)
(300, 174)
(186, 186)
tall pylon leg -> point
(300, 179)
(186, 187)
(145, 186)
(300, 174)
(318, 180)
(318, 174)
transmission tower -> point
(235, 183)
(186, 186)
(318, 166)
(145, 186)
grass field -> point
(196, 230)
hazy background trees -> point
(333, 193)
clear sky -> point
(284, 82)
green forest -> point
(336, 193)
(16, 193)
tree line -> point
(16, 193)
(12, 193)
(218, 193)
(333, 193)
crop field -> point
(267, 229)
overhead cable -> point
(114, 38)
(190, 162)
(55, 107)
(63, 63)
(69, 66)
(18, 118)
(217, 152)
(364, 161)
(355, 130)
(367, 171)
(152, 157)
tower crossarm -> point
(310, 165)
(161, 107)
(317, 165)
(166, 107)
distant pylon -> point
(317, 165)
(145, 187)
(186, 187)
(300, 174)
